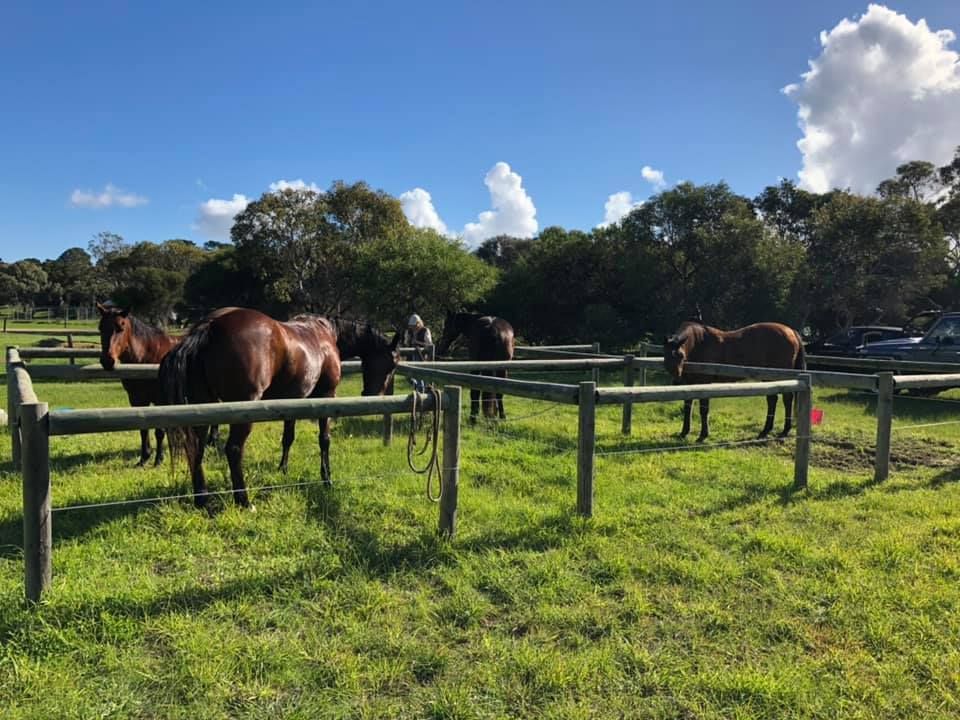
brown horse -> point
(488, 338)
(241, 354)
(125, 339)
(765, 344)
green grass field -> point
(702, 588)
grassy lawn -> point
(702, 588)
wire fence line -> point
(190, 496)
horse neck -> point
(146, 344)
(702, 342)
(351, 340)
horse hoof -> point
(782, 435)
(701, 438)
(764, 435)
(142, 463)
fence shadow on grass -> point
(74, 524)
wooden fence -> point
(37, 423)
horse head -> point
(674, 356)
(454, 326)
(379, 362)
(115, 327)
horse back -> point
(491, 338)
(766, 344)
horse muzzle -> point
(107, 362)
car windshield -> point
(843, 337)
(948, 327)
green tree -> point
(420, 271)
(21, 282)
(150, 277)
(303, 245)
(71, 277)
(873, 257)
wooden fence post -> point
(13, 401)
(643, 370)
(596, 371)
(627, 406)
(881, 463)
(388, 418)
(804, 408)
(586, 440)
(37, 529)
(450, 472)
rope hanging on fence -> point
(431, 441)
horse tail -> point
(801, 362)
(177, 369)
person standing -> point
(418, 337)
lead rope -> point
(431, 441)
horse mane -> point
(356, 337)
(144, 330)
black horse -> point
(488, 338)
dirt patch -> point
(848, 455)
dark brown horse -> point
(760, 345)
(125, 339)
(241, 354)
(488, 338)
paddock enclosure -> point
(703, 578)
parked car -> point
(849, 342)
(941, 343)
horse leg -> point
(194, 449)
(213, 436)
(234, 450)
(503, 415)
(788, 413)
(159, 434)
(145, 450)
(324, 425)
(771, 413)
(704, 419)
(289, 429)
(474, 405)
(687, 409)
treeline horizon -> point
(814, 261)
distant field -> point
(702, 588)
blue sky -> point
(180, 103)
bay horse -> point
(488, 338)
(241, 354)
(766, 344)
(126, 339)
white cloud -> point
(215, 216)
(513, 210)
(111, 195)
(293, 185)
(418, 207)
(883, 91)
(654, 177)
(617, 207)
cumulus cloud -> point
(293, 185)
(215, 216)
(513, 211)
(418, 207)
(654, 177)
(617, 207)
(883, 91)
(111, 195)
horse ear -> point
(124, 313)
(396, 340)
(101, 308)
